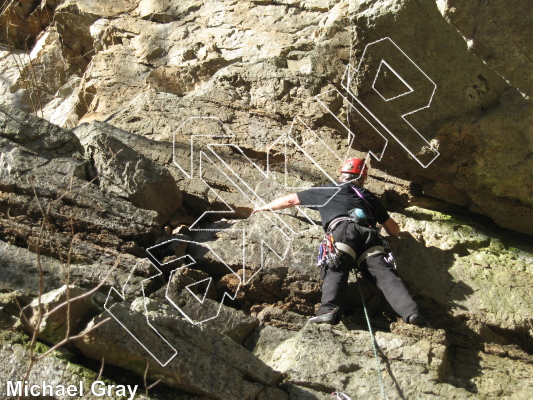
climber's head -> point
(354, 170)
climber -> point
(349, 215)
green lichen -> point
(431, 215)
(13, 337)
(88, 376)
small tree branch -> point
(86, 294)
(101, 369)
(145, 379)
(68, 339)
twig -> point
(86, 294)
(7, 9)
(145, 379)
(67, 192)
(22, 315)
(45, 211)
(101, 369)
(75, 337)
(35, 85)
(32, 359)
(154, 384)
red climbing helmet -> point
(354, 166)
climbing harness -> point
(328, 249)
(385, 249)
(372, 251)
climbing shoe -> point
(415, 319)
(329, 318)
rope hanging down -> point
(372, 338)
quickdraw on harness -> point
(389, 258)
(327, 252)
(328, 249)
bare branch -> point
(154, 384)
(22, 315)
(35, 84)
(71, 191)
(145, 379)
(37, 327)
(86, 294)
(101, 369)
(68, 339)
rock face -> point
(47, 179)
(411, 361)
(259, 65)
(123, 172)
(319, 357)
(496, 33)
(137, 136)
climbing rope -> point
(374, 347)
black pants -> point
(375, 268)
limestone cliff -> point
(137, 135)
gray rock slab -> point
(19, 273)
(205, 362)
(123, 172)
(209, 314)
(45, 176)
(329, 359)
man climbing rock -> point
(349, 215)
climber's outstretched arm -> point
(287, 201)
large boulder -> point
(58, 370)
(123, 172)
(193, 307)
(46, 178)
(330, 359)
(469, 270)
(320, 359)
